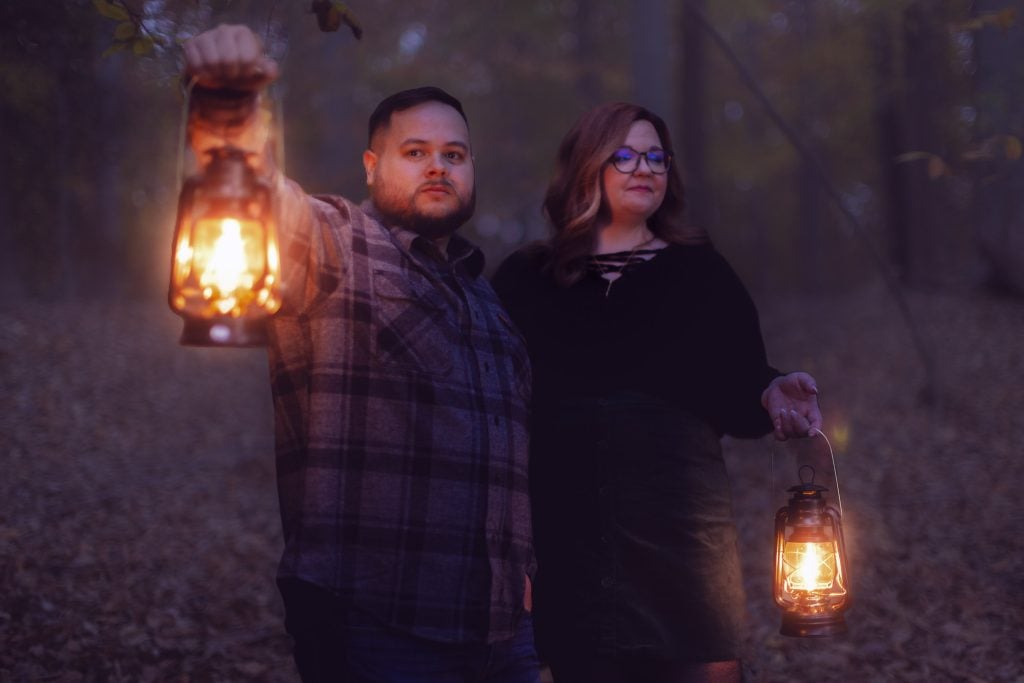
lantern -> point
(811, 581)
(225, 263)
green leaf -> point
(110, 10)
(331, 14)
(977, 154)
(938, 168)
(349, 19)
(124, 31)
(142, 46)
(327, 16)
(1005, 19)
(969, 25)
(912, 156)
(114, 49)
(1012, 147)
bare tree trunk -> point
(692, 104)
(999, 199)
(107, 242)
(64, 270)
(809, 208)
(589, 83)
(933, 254)
(889, 121)
(651, 55)
(11, 285)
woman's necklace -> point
(614, 269)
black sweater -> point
(680, 327)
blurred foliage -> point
(331, 14)
(93, 139)
(1003, 19)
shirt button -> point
(607, 582)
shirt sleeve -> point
(741, 368)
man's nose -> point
(437, 165)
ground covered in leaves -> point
(138, 517)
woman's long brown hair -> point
(575, 203)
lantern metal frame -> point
(228, 189)
(225, 259)
(808, 523)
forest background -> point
(858, 161)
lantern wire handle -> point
(832, 455)
(839, 496)
(183, 128)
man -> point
(400, 396)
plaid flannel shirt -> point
(401, 391)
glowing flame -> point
(272, 258)
(812, 567)
(227, 269)
(184, 253)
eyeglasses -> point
(627, 160)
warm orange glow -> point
(272, 260)
(810, 583)
(227, 268)
(809, 566)
(183, 255)
(841, 434)
(225, 264)
(228, 256)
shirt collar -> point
(460, 250)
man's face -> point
(420, 170)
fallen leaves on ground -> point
(139, 530)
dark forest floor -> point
(138, 518)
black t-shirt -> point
(680, 327)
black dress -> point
(633, 387)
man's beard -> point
(402, 212)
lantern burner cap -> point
(807, 487)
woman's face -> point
(633, 197)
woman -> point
(646, 349)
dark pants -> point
(330, 650)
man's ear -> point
(370, 165)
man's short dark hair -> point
(407, 99)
